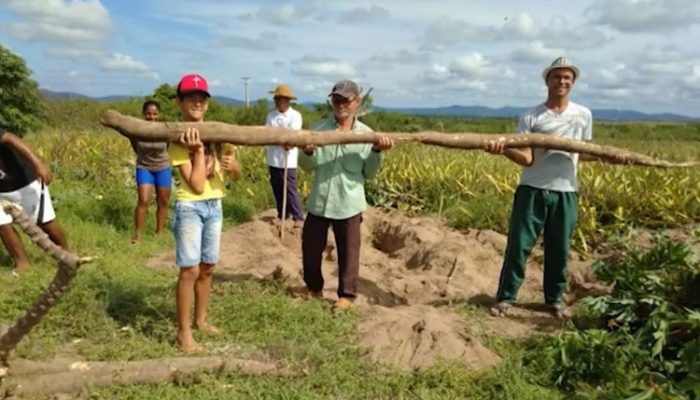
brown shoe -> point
(343, 304)
(304, 293)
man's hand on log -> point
(496, 146)
(384, 143)
(309, 149)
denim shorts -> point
(197, 229)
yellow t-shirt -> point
(214, 187)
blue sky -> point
(633, 54)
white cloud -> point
(400, 57)
(693, 79)
(76, 53)
(535, 52)
(523, 25)
(78, 77)
(446, 32)
(475, 85)
(475, 66)
(327, 67)
(287, 14)
(472, 72)
(365, 14)
(645, 15)
(78, 30)
(436, 74)
(218, 83)
(70, 23)
(485, 53)
(443, 34)
(123, 62)
(470, 66)
(266, 41)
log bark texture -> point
(138, 129)
(68, 264)
(78, 376)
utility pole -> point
(245, 85)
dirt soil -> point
(411, 268)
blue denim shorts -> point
(197, 229)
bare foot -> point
(21, 268)
(208, 328)
(186, 343)
(136, 240)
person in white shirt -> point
(546, 198)
(284, 116)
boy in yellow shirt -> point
(197, 218)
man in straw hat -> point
(546, 198)
(337, 195)
(282, 160)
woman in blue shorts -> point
(152, 170)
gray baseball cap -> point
(345, 88)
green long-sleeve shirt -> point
(338, 190)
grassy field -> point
(118, 310)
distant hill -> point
(511, 112)
(105, 99)
(229, 101)
(72, 95)
(451, 111)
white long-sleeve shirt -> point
(290, 119)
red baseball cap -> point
(193, 83)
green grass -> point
(119, 310)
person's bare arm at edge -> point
(43, 172)
(194, 173)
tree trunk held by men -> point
(138, 129)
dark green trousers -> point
(535, 210)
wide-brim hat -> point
(283, 91)
(560, 62)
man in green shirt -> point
(337, 195)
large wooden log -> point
(48, 379)
(138, 129)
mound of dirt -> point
(404, 260)
(409, 268)
(416, 337)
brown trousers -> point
(347, 242)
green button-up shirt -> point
(338, 190)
